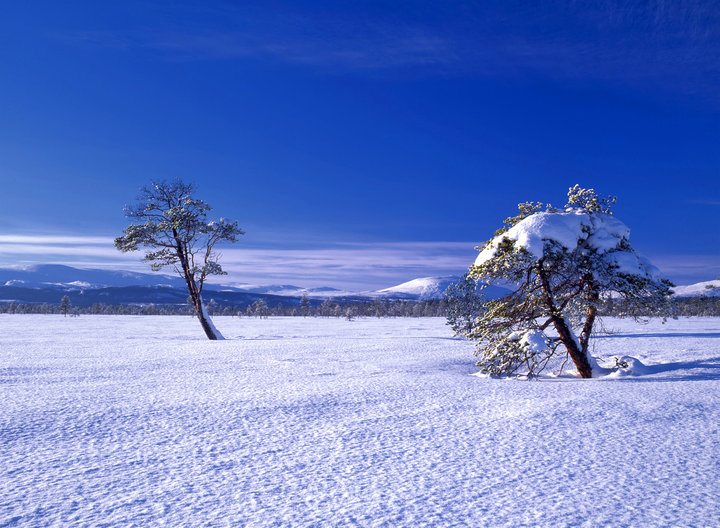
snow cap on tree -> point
(572, 230)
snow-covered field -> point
(140, 421)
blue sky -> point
(359, 144)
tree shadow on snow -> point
(711, 335)
(459, 366)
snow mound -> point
(628, 366)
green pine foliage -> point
(557, 295)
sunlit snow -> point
(141, 421)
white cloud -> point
(366, 265)
(688, 269)
(350, 265)
(342, 264)
(54, 239)
(670, 45)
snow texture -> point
(141, 421)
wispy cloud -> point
(673, 45)
(373, 51)
(83, 251)
(688, 269)
(348, 265)
(64, 241)
(342, 265)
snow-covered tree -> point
(65, 305)
(560, 264)
(464, 304)
(260, 309)
(175, 229)
(305, 304)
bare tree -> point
(176, 232)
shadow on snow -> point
(710, 335)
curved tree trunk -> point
(210, 331)
(577, 353)
(593, 299)
(208, 327)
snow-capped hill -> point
(423, 289)
(428, 288)
(706, 289)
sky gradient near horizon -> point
(358, 144)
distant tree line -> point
(328, 308)
(702, 306)
(463, 308)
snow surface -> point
(141, 421)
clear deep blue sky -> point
(358, 143)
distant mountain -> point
(56, 275)
(138, 295)
(422, 288)
(69, 278)
(49, 282)
(700, 289)
(425, 288)
(428, 288)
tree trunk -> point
(593, 298)
(211, 332)
(208, 327)
(577, 354)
